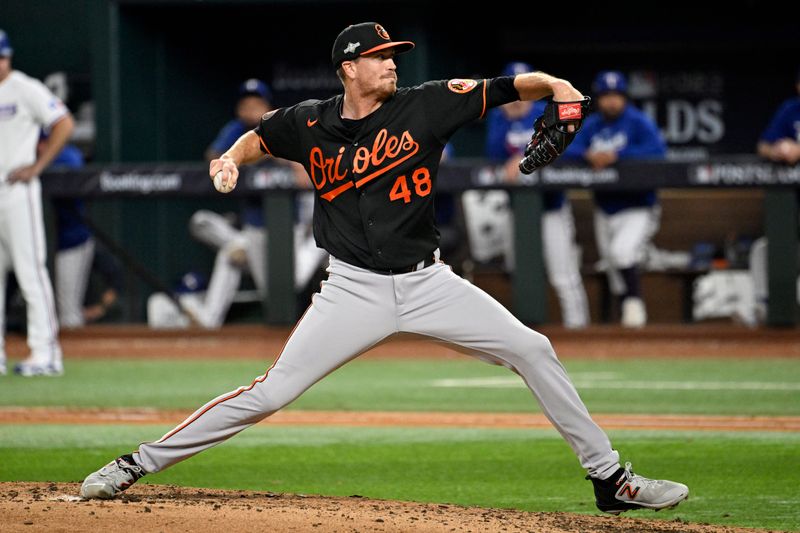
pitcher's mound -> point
(32, 507)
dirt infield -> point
(49, 415)
(27, 507)
(259, 342)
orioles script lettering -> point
(387, 151)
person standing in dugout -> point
(372, 154)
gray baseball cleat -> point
(112, 479)
(625, 490)
(31, 367)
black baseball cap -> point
(362, 39)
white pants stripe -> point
(355, 310)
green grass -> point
(699, 386)
(745, 479)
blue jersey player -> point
(780, 143)
(239, 249)
(625, 221)
(508, 131)
(75, 247)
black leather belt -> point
(425, 263)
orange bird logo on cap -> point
(383, 34)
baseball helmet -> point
(610, 81)
(5, 45)
(255, 87)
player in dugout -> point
(624, 221)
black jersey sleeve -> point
(278, 135)
(452, 103)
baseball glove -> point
(551, 133)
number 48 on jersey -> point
(421, 179)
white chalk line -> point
(609, 380)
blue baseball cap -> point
(5, 45)
(516, 68)
(610, 81)
(254, 86)
(190, 282)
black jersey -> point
(374, 178)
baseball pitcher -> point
(372, 154)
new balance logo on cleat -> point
(625, 491)
(629, 490)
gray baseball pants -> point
(354, 311)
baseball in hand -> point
(220, 187)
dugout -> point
(150, 69)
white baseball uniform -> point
(622, 240)
(562, 262)
(73, 268)
(26, 106)
(217, 232)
